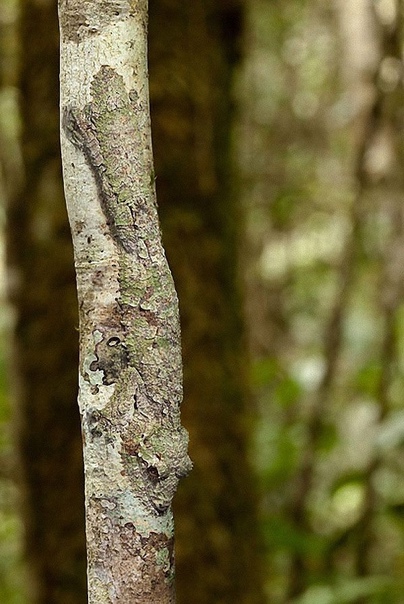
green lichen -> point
(137, 347)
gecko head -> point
(163, 460)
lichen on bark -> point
(135, 449)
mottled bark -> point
(194, 49)
(41, 283)
(130, 375)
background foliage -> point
(321, 157)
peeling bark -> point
(135, 449)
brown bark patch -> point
(140, 567)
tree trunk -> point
(135, 449)
(41, 277)
(194, 49)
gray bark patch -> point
(83, 18)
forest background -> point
(278, 139)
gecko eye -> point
(153, 474)
(114, 341)
(161, 507)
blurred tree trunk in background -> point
(194, 49)
(43, 292)
(380, 187)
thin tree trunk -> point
(135, 449)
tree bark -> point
(130, 377)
